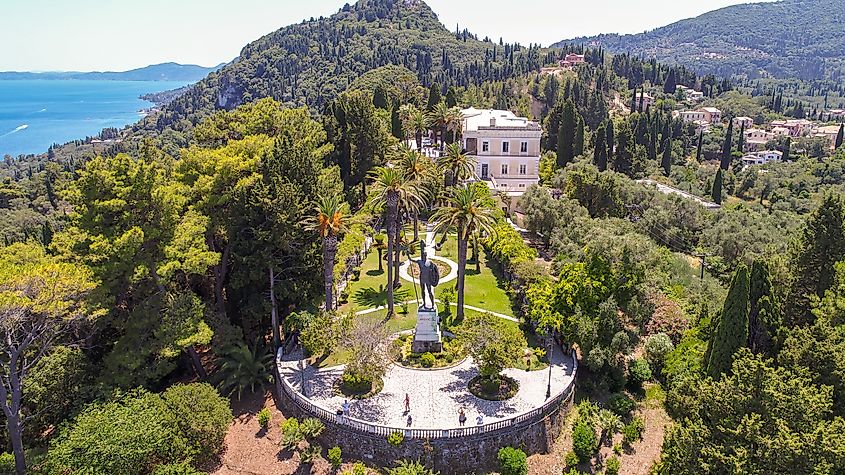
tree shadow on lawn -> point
(375, 272)
(371, 298)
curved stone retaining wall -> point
(450, 451)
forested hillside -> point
(802, 39)
(312, 62)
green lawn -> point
(481, 290)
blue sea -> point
(35, 114)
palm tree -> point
(244, 368)
(418, 125)
(469, 209)
(453, 122)
(406, 113)
(420, 170)
(460, 165)
(439, 118)
(389, 189)
(330, 219)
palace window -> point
(506, 147)
(504, 169)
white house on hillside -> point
(763, 157)
(506, 148)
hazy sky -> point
(83, 35)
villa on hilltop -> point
(506, 149)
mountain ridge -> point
(169, 71)
(802, 39)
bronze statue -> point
(429, 277)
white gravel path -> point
(436, 395)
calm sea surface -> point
(35, 114)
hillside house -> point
(506, 149)
(740, 122)
(762, 157)
(793, 127)
(756, 139)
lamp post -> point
(549, 356)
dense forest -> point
(790, 39)
(145, 283)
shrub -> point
(633, 431)
(512, 461)
(408, 467)
(584, 442)
(395, 438)
(182, 468)
(356, 383)
(335, 457)
(617, 449)
(570, 459)
(359, 469)
(621, 404)
(612, 467)
(264, 418)
(309, 453)
(290, 433)
(638, 372)
(202, 416)
(427, 360)
(311, 428)
(7, 463)
(657, 348)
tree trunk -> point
(329, 252)
(392, 211)
(16, 438)
(380, 262)
(196, 362)
(462, 262)
(416, 226)
(220, 272)
(419, 141)
(476, 254)
(274, 311)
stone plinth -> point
(427, 336)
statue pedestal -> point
(427, 336)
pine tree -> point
(840, 136)
(380, 97)
(600, 148)
(763, 316)
(579, 137)
(820, 246)
(700, 145)
(716, 193)
(666, 163)
(451, 97)
(566, 134)
(727, 148)
(731, 331)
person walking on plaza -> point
(407, 403)
(479, 420)
(462, 417)
(409, 421)
(346, 408)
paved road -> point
(436, 395)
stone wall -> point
(455, 455)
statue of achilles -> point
(429, 277)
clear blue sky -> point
(84, 35)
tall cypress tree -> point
(566, 134)
(434, 97)
(731, 331)
(579, 137)
(716, 193)
(700, 145)
(840, 136)
(600, 148)
(740, 141)
(623, 160)
(671, 84)
(727, 148)
(666, 163)
(610, 143)
(763, 315)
